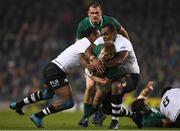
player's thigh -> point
(65, 93)
(131, 81)
(99, 95)
(54, 77)
(90, 83)
(90, 86)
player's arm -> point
(100, 80)
(124, 33)
(119, 59)
(146, 91)
(80, 31)
(84, 60)
(96, 64)
(121, 29)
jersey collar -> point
(93, 24)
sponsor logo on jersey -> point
(123, 47)
(65, 80)
(54, 83)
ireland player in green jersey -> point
(152, 117)
(96, 19)
(103, 52)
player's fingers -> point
(100, 69)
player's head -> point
(92, 34)
(107, 52)
(95, 12)
(109, 33)
(140, 106)
(165, 90)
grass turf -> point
(9, 120)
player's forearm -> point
(89, 51)
(146, 91)
(144, 94)
(119, 59)
(100, 80)
(124, 33)
(84, 60)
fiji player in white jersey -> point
(55, 80)
(126, 60)
(170, 105)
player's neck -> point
(96, 24)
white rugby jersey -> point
(70, 56)
(123, 44)
(170, 104)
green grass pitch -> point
(9, 120)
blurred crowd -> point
(32, 32)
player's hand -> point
(150, 85)
(97, 64)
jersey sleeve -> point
(116, 24)
(99, 41)
(97, 50)
(82, 45)
(125, 46)
(80, 31)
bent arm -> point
(124, 33)
(146, 91)
(83, 60)
(101, 80)
(120, 58)
(89, 51)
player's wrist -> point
(92, 57)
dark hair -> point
(91, 30)
(138, 105)
(166, 89)
(94, 5)
(110, 26)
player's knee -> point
(47, 93)
(90, 90)
(68, 104)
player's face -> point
(95, 14)
(104, 56)
(108, 35)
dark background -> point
(33, 32)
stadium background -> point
(32, 32)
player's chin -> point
(108, 41)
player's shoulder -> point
(107, 17)
(99, 40)
(83, 40)
(84, 20)
(122, 39)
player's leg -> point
(95, 106)
(88, 98)
(33, 98)
(126, 84)
(64, 103)
(46, 93)
(56, 80)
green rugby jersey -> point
(111, 73)
(86, 23)
(153, 119)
